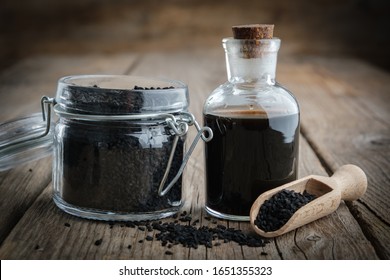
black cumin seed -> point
(99, 241)
(151, 88)
(186, 219)
(129, 247)
(130, 224)
(149, 238)
(168, 253)
(67, 224)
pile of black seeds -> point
(96, 100)
(103, 101)
(191, 237)
(182, 230)
(116, 166)
(277, 210)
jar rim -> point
(70, 80)
(121, 94)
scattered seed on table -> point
(191, 237)
(67, 224)
(130, 224)
(168, 253)
(194, 223)
(129, 247)
(99, 241)
(186, 219)
(149, 238)
(188, 235)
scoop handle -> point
(351, 181)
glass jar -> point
(118, 145)
(255, 122)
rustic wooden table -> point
(345, 115)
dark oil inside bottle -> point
(249, 154)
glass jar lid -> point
(120, 94)
(21, 141)
(30, 138)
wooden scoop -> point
(348, 183)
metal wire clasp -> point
(179, 127)
(46, 115)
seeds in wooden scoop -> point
(277, 210)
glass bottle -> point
(255, 122)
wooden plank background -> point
(356, 27)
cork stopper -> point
(253, 31)
(251, 34)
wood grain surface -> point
(344, 120)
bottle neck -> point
(251, 61)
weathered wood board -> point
(38, 230)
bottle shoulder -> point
(269, 99)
